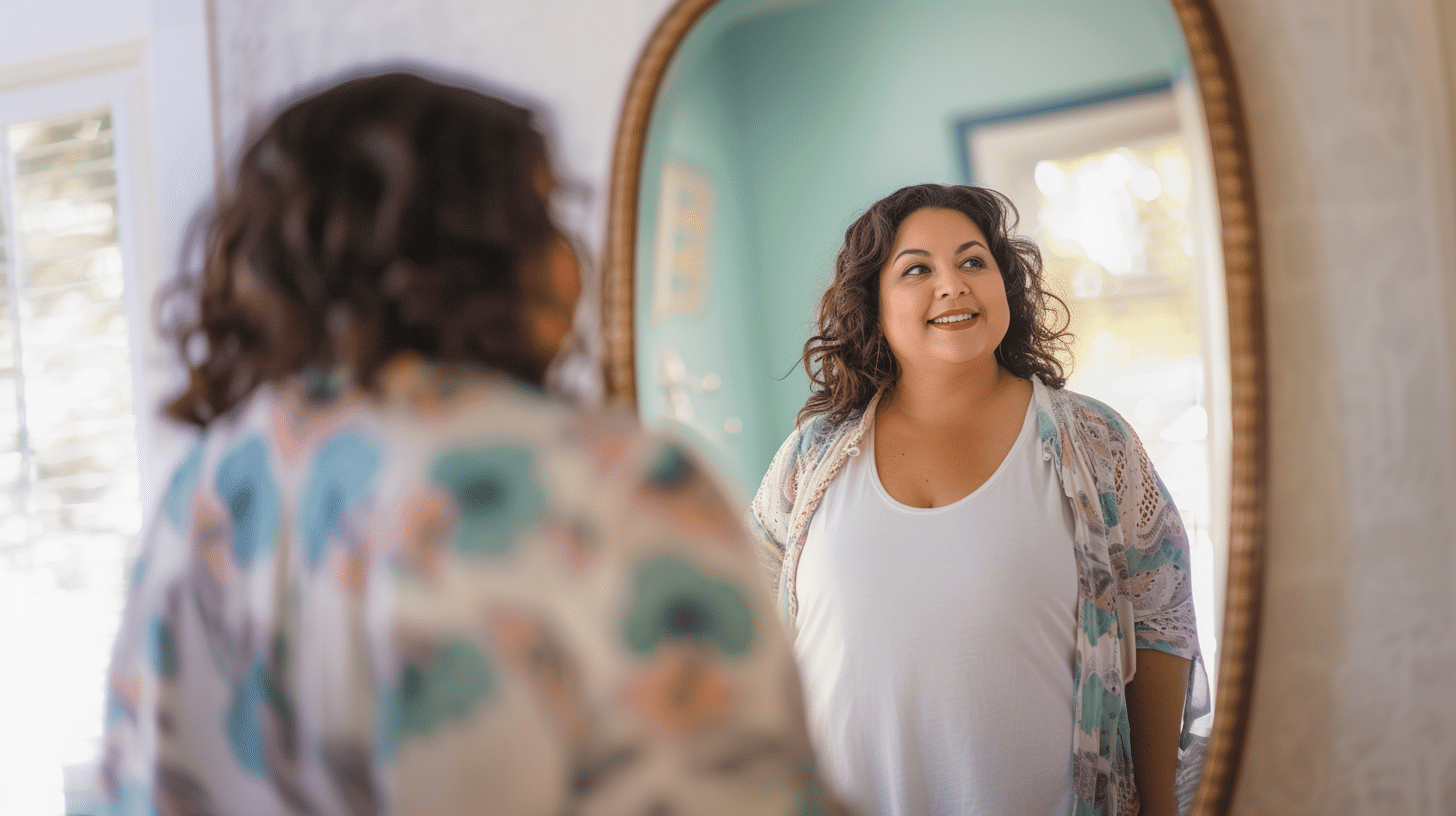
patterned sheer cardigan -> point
(455, 596)
(1132, 567)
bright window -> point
(70, 504)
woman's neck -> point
(951, 395)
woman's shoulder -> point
(806, 446)
(815, 434)
(423, 409)
(1089, 415)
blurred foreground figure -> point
(393, 577)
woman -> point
(985, 574)
(394, 577)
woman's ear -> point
(550, 317)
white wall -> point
(36, 29)
(572, 57)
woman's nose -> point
(950, 285)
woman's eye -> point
(917, 269)
(975, 261)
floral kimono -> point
(456, 596)
(1133, 582)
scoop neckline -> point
(1021, 439)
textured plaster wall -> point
(573, 56)
(1348, 102)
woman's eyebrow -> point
(962, 248)
(904, 252)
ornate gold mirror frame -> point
(1235, 194)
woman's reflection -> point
(985, 572)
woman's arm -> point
(770, 514)
(1165, 628)
(1155, 717)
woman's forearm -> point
(1155, 716)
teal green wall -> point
(807, 115)
(695, 123)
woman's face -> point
(942, 299)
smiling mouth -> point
(957, 318)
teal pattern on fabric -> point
(447, 688)
(180, 489)
(1092, 693)
(386, 724)
(498, 495)
(674, 599)
(130, 798)
(244, 718)
(1096, 622)
(1159, 644)
(116, 710)
(138, 571)
(1114, 420)
(1109, 508)
(246, 484)
(1167, 552)
(161, 650)
(1047, 430)
(1105, 715)
(671, 469)
(811, 799)
(342, 473)
(1108, 720)
(323, 385)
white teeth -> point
(954, 318)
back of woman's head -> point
(848, 359)
(385, 214)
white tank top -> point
(936, 645)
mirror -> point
(754, 131)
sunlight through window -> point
(69, 489)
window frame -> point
(120, 87)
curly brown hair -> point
(848, 359)
(387, 213)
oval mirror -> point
(754, 131)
